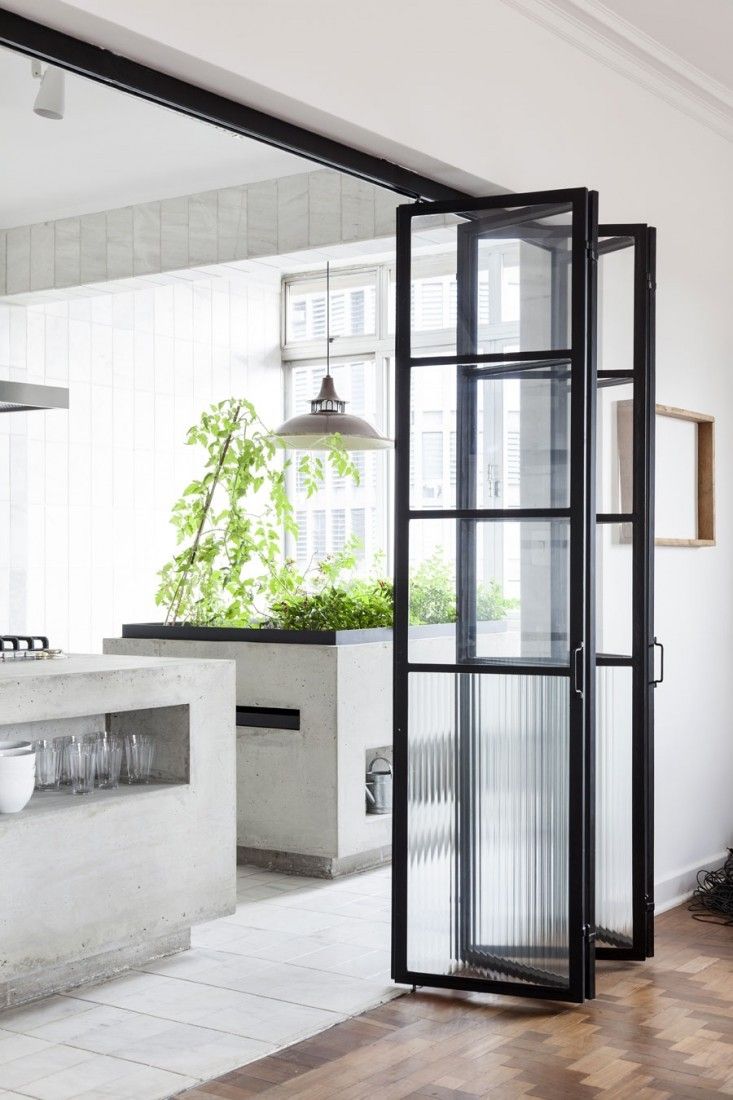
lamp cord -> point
(713, 899)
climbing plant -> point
(229, 569)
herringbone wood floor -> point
(659, 1029)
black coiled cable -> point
(712, 901)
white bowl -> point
(14, 748)
(17, 780)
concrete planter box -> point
(312, 710)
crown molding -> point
(605, 36)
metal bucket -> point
(379, 788)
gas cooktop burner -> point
(27, 647)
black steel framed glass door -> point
(494, 633)
(624, 882)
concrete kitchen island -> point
(95, 883)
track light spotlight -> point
(50, 99)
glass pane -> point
(521, 292)
(519, 454)
(353, 306)
(614, 564)
(614, 827)
(517, 602)
(615, 433)
(500, 840)
(616, 309)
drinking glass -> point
(139, 753)
(48, 765)
(81, 761)
(109, 760)
(64, 743)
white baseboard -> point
(678, 887)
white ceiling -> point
(111, 150)
(698, 31)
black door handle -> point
(656, 644)
(576, 678)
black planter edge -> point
(184, 632)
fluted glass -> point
(488, 832)
(614, 830)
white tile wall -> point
(85, 496)
(260, 219)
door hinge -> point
(589, 933)
(591, 249)
(650, 281)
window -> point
(362, 322)
(353, 306)
(338, 530)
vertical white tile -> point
(101, 309)
(357, 209)
(144, 422)
(232, 224)
(67, 252)
(123, 359)
(144, 352)
(146, 238)
(42, 256)
(93, 248)
(101, 351)
(202, 227)
(80, 351)
(174, 234)
(123, 313)
(164, 310)
(57, 349)
(324, 221)
(119, 243)
(262, 218)
(3, 261)
(292, 212)
(163, 365)
(18, 260)
(183, 311)
(36, 344)
(5, 467)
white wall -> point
(491, 92)
(86, 495)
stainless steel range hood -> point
(23, 397)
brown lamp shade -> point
(310, 431)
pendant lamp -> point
(311, 431)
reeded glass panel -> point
(521, 290)
(614, 587)
(614, 448)
(614, 835)
(510, 591)
(487, 881)
(616, 309)
(517, 453)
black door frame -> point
(642, 238)
(581, 515)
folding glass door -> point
(493, 625)
(624, 593)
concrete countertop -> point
(83, 664)
(87, 684)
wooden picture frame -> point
(705, 472)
